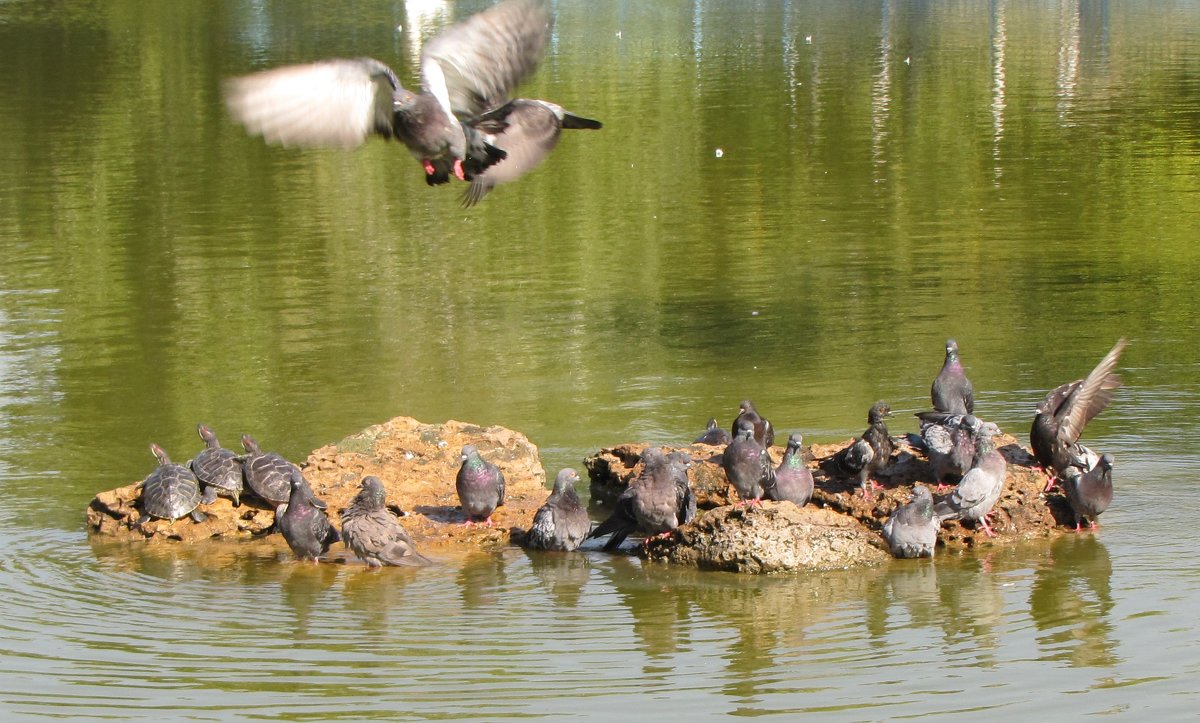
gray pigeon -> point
(912, 529)
(747, 465)
(951, 390)
(981, 486)
(681, 462)
(303, 521)
(527, 130)
(218, 469)
(1089, 492)
(655, 503)
(1065, 411)
(480, 486)
(764, 432)
(467, 72)
(714, 435)
(267, 474)
(869, 454)
(374, 533)
(793, 479)
(949, 445)
(561, 523)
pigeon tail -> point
(574, 122)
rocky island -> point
(417, 462)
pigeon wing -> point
(333, 103)
(473, 65)
(1090, 397)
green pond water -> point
(795, 202)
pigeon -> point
(480, 486)
(912, 529)
(452, 125)
(747, 465)
(714, 435)
(374, 534)
(980, 487)
(561, 523)
(869, 454)
(655, 503)
(303, 521)
(681, 462)
(951, 390)
(527, 130)
(467, 69)
(949, 445)
(793, 479)
(1089, 492)
(666, 501)
(764, 433)
(1065, 411)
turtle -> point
(170, 491)
(218, 469)
(268, 475)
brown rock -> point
(417, 464)
(1022, 512)
(613, 468)
(772, 537)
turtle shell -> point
(268, 475)
(171, 491)
(217, 469)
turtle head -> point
(160, 454)
(206, 433)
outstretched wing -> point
(473, 65)
(332, 103)
(1091, 397)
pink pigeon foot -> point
(428, 166)
(458, 170)
(868, 486)
(987, 529)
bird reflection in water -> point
(1071, 603)
(562, 575)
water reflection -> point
(881, 88)
(1071, 603)
(303, 586)
(770, 623)
(999, 16)
(562, 576)
(481, 579)
(373, 595)
(659, 609)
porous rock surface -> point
(829, 531)
(417, 463)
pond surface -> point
(1021, 176)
